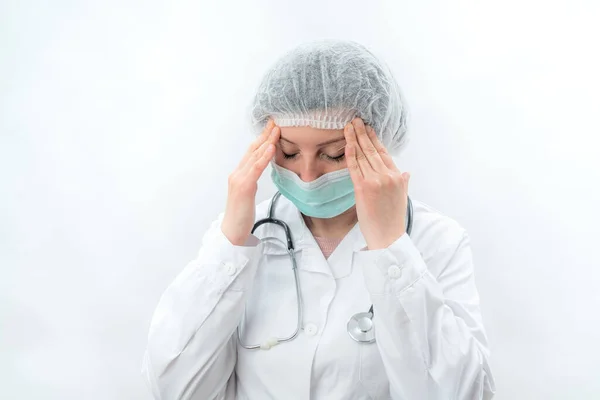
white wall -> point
(120, 121)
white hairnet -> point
(325, 84)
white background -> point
(120, 121)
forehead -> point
(309, 136)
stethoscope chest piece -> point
(360, 327)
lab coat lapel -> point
(341, 259)
(313, 259)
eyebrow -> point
(320, 144)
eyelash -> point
(334, 159)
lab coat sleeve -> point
(429, 328)
(191, 351)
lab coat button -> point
(310, 329)
(394, 272)
(230, 269)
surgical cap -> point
(325, 84)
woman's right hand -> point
(243, 184)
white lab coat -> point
(431, 342)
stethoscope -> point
(360, 325)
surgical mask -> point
(326, 197)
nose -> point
(309, 171)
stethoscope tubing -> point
(353, 327)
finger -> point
(270, 133)
(371, 153)
(252, 158)
(383, 153)
(256, 143)
(340, 148)
(361, 159)
(263, 136)
(406, 176)
(352, 164)
(255, 168)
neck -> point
(333, 228)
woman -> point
(331, 116)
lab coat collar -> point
(339, 263)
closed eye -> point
(335, 159)
(325, 156)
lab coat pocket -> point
(372, 372)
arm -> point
(428, 328)
(191, 351)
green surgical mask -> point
(326, 197)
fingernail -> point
(350, 128)
(274, 131)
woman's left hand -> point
(380, 188)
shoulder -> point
(433, 231)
